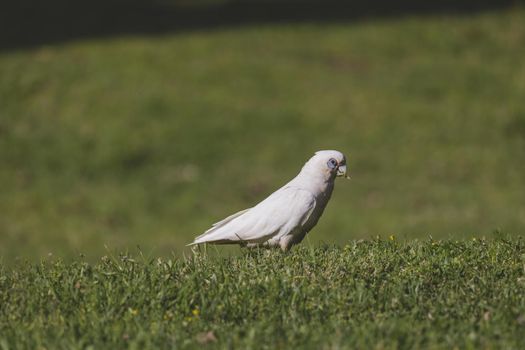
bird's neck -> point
(315, 182)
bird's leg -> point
(286, 243)
(264, 245)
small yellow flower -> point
(392, 237)
(196, 312)
(134, 312)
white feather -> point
(283, 218)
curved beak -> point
(341, 171)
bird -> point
(283, 219)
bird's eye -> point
(332, 163)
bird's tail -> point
(214, 235)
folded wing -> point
(279, 214)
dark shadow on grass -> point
(28, 23)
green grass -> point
(114, 143)
(381, 294)
(148, 140)
(110, 144)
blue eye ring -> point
(332, 163)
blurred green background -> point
(147, 136)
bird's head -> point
(330, 163)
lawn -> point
(137, 143)
(370, 294)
